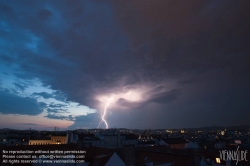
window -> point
(217, 160)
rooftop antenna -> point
(56, 128)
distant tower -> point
(57, 128)
(29, 133)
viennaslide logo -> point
(234, 155)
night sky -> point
(164, 63)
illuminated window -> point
(217, 160)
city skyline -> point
(124, 64)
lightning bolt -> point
(104, 113)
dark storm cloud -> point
(165, 97)
(186, 37)
(128, 104)
(20, 86)
(4, 8)
(155, 90)
(45, 95)
(80, 48)
(228, 108)
(57, 105)
(56, 108)
(51, 116)
(89, 121)
(203, 45)
(6, 59)
(185, 50)
(44, 14)
(12, 104)
(155, 97)
(60, 95)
